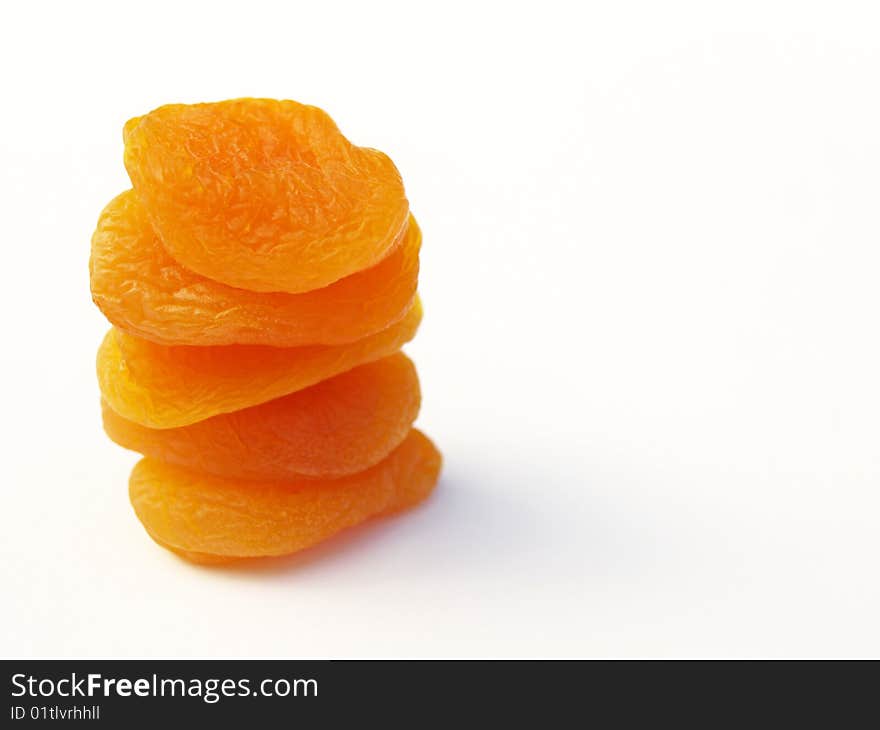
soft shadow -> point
(478, 513)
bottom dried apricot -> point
(340, 426)
(206, 518)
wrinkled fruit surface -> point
(261, 277)
(164, 387)
(145, 292)
(262, 194)
(340, 426)
(210, 519)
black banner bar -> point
(145, 693)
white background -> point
(650, 353)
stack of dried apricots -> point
(261, 279)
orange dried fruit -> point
(340, 426)
(142, 290)
(164, 387)
(263, 194)
(210, 519)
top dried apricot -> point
(262, 194)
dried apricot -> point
(263, 194)
(142, 290)
(261, 277)
(340, 426)
(163, 387)
(210, 519)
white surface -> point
(650, 354)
